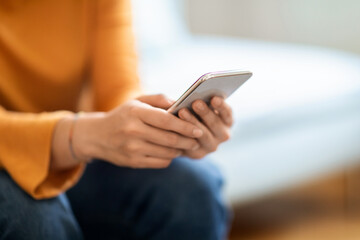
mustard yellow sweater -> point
(48, 50)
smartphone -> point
(221, 84)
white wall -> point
(330, 23)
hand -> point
(136, 134)
(215, 122)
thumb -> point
(157, 100)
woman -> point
(146, 186)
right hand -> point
(134, 135)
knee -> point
(197, 187)
(192, 200)
(196, 184)
(25, 218)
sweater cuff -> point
(26, 153)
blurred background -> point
(329, 23)
(292, 167)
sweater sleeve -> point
(25, 152)
(114, 62)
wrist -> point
(85, 137)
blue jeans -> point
(182, 201)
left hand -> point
(214, 121)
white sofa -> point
(297, 118)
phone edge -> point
(202, 79)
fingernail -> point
(200, 106)
(197, 132)
(195, 147)
(170, 100)
(185, 115)
(217, 102)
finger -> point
(159, 137)
(151, 162)
(162, 119)
(211, 120)
(207, 140)
(198, 154)
(153, 150)
(223, 109)
(158, 100)
(167, 139)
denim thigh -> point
(182, 201)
